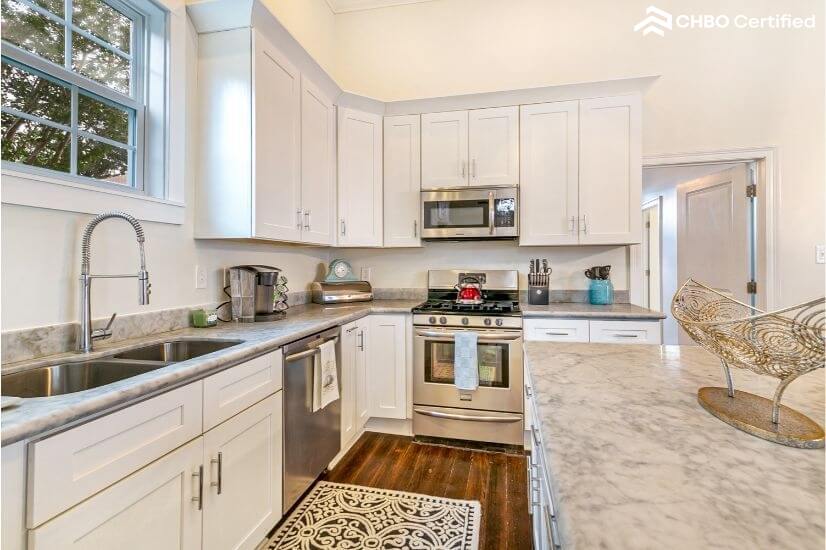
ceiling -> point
(342, 6)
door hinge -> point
(647, 272)
(648, 225)
(751, 287)
(751, 191)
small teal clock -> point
(339, 271)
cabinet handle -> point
(307, 220)
(361, 341)
(623, 335)
(473, 168)
(464, 167)
(571, 224)
(557, 334)
(200, 498)
(415, 229)
(343, 227)
(583, 224)
(298, 219)
(220, 462)
(528, 391)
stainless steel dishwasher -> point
(311, 439)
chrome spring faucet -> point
(87, 335)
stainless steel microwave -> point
(471, 213)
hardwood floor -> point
(497, 480)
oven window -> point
(493, 363)
(462, 213)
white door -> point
(318, 191)
(349, 337)
(276, 154)
(386, 367)
(152, 508)
(242, 486)
(362, 403)
(652, 289)
(359, 178)
(549, 167)
(493, 146)
(402, 181)
(610, 170)
(444, 149)
(712, 233)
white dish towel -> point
(465, 360)
(325, 376)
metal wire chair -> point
(785, 344)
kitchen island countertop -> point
(635, 462)
(574, 310)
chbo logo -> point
(656, 21)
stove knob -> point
(499, 322)
(465, 320)
(432, 320)
(443, 320)
(487, 322)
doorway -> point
(700, 222)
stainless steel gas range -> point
(493, 412)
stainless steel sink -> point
(73, 377)
(177, 350)
(84, 375)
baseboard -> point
(390, 426)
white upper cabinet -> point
(277, 130)
(317, 165)
(402, 181)
(444, 150)
(359, 178)
(610, 171)
(493, 146)
(549, 183)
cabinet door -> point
(610, 173)
(349, 339)
(444, 149)
(549, 168)
(402, 180)
(359, 178)
(386, 368)
(317, 165)
(152, 508)
(493, 145)
(276, 155)
(242, 489)
(362, 405)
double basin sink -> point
(71, 377)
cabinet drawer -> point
(231, 391)
(556, 330)
(626, 332)
(73, 465)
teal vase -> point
(601, 292)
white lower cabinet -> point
(156, 507)
(386, 366)
(242, 484)
(626, 332)
(355, 405)
(584, 330)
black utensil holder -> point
(538, 295)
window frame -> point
(137, 100)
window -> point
(81, 80)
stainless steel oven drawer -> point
(472, 425)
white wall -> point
(312, 23)
(719, 89)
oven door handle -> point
(483, 336)
(454, 416)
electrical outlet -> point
(366, 273)
(200, 277)
(820, 254)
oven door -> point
(499, 354)
(470, 213)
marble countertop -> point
(637, 463)
(38, 416)
(589, 311)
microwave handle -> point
(491, 218)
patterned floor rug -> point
(340, 516)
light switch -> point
(820, 254)
(200, 277)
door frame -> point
(768, 184)
(655, 204)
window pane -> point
(102, 161)
(103, 21)
(35, 144)
(35, 95)
(24, 27)
(100, 64)
(103, 119)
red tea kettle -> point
(469, 291)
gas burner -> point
(497, 307)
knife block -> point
(538, 295)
